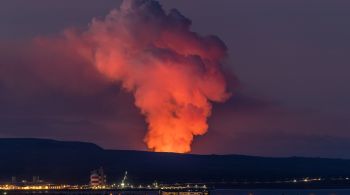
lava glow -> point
(173, 72)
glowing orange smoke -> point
(173, 73)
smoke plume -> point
(173, 73)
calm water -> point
(281, 192)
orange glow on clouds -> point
(173, 73)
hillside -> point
(71, 162)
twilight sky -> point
(291, 59)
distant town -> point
(98, 183)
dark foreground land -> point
(71, 163)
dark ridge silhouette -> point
(71, 162)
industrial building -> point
(98, 178)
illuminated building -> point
(97, 177)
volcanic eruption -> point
(173, 73)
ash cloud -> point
(173, 73)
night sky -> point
(290, 57)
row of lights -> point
(125, 186)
